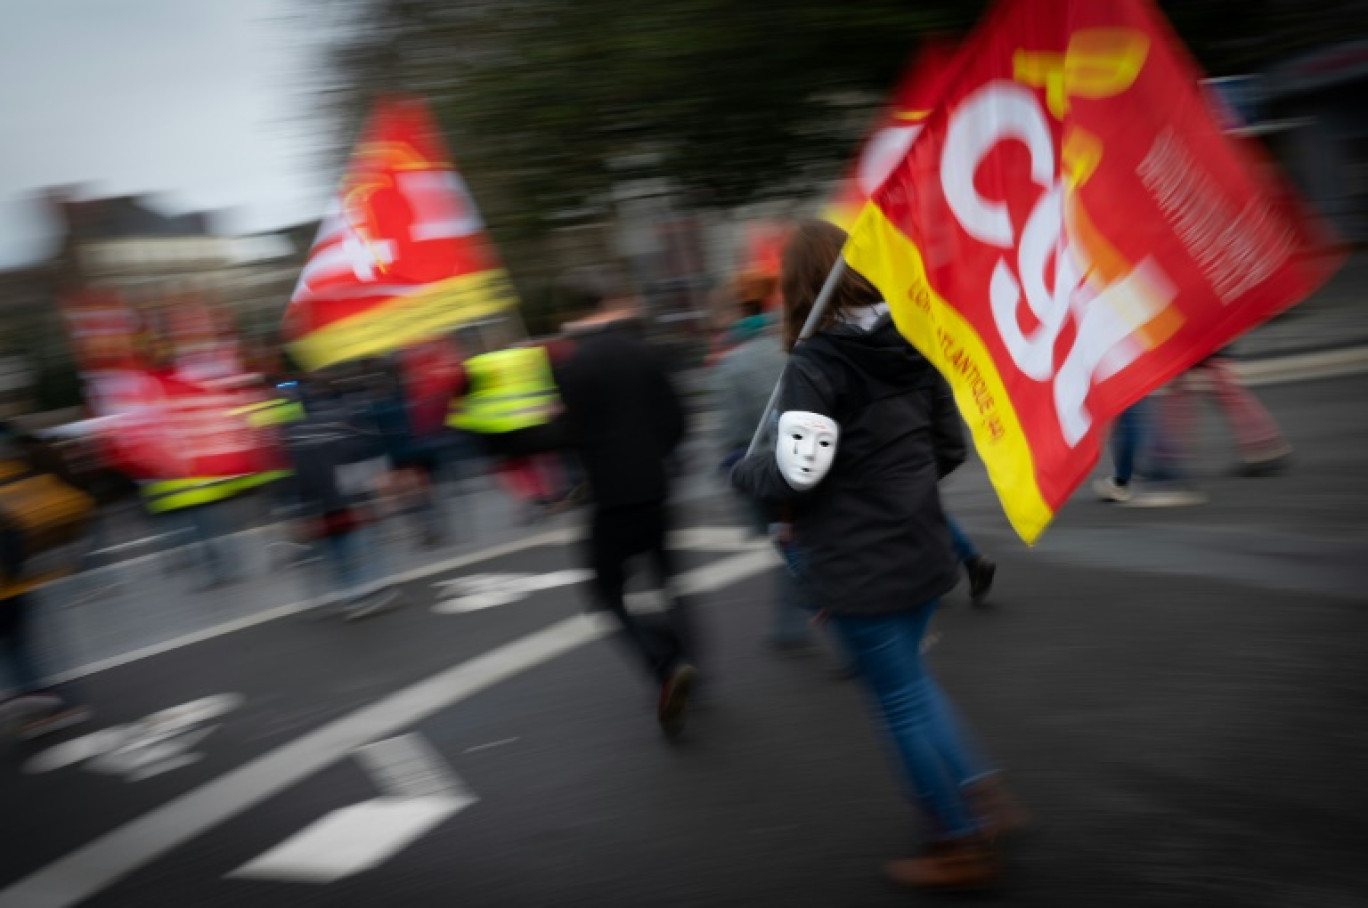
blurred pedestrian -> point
(742, 381)
(39, 511)
(867, 430)
(1260, 447)
(979, 569)
(410, 467)
(744, 378)
(506, 399)
(625, 420)
(1148, 470)
(338, 464)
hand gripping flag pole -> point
(813, 320)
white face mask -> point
(805, 448)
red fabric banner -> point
(1070, 230)
(401, 255)
(153, 424)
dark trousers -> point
(15, 617)
(618, 534)
(17, 644)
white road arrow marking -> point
(482, 591)
(475, 592)
(420, 791)
(350, 840)
(408, 767)
(140, 750)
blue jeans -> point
(791, 609)
(790, 621)
(343, 552)
(937, 758)
(1126, 435)
(964, 547)
(1137, 433)
(211, 525)
(353, 560)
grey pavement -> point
(1334, 317)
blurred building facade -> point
(32, 345)
(126, 244)
(1318, 97)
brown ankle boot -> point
(997, 810)
(967, 862)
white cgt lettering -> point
(1050, 271)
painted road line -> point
(419, 792)
(1303, 367)
(476, 592)
(351, 840)
(490, 746)
(408, 767)
(109, 858)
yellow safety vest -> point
(507, 390)
(164, 495)
(273, 412)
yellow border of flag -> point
(891, 261)
(405, 320)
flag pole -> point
(813, 320)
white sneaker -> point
(1266, 463)
(51, 721)
(1110, 490)
(371, 604)
(1165, 498)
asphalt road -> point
(1178, 697)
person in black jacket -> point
(337, 455)
(624, 419)
(867, 429)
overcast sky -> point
(206, 101)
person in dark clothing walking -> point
(337, 456)
(32, 705)
(624, 419)
(867, 429)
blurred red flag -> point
(1070, 230)
(153, 424)
(165, 428)
(401, 255)
(103, 330)
(432, 375)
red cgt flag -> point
(1070, 230)
(401, 255)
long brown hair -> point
(809, 256)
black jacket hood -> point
(879, 352)
(872, 534)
